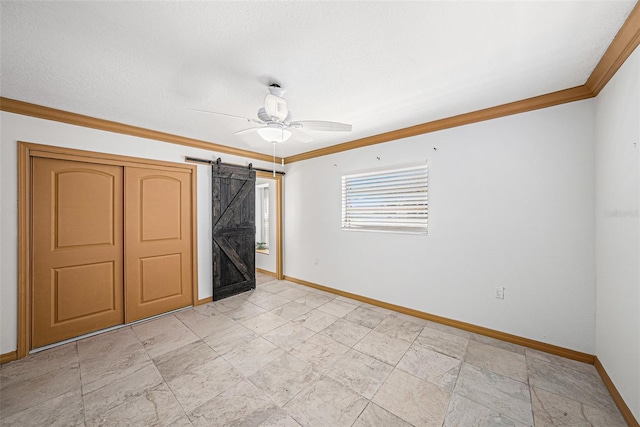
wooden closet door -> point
(157, 242)
(77, 247)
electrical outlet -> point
(499, 292)
(316, 261)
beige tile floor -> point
(288, 355)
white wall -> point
(618, 230)
(268, 261)
(511, 204)
(22, 128)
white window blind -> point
(393, 200)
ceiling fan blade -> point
(245, 131)
(300, 136)
(221, 114)
(322, 125)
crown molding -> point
(47, 113)
(624, 43)
(622, 46)
(543, 101)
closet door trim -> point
(26, 151)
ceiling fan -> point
(274, 122)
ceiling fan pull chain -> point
(274, 159)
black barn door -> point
(234, 229)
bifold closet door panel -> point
(77, 249)
(158, 246)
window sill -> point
(391, 231)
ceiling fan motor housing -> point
(276, 107)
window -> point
(265, 216)
(262, 217)
(393, 200)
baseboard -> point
(615, 395)
(8, 357)
(525, 342)
(203, 301)
(267, 272)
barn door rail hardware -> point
(190, 159)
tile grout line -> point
(84, 412)
(455, 386)
(533, 413)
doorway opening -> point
(268, 227)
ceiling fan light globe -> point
(274, 134)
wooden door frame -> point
(278, 179)
(26, 151)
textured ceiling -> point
(380, 66)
